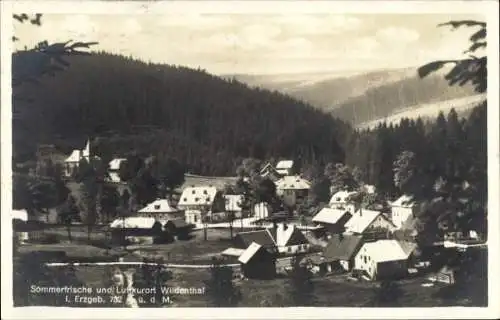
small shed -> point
(257, 262)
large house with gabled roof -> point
(200, 201)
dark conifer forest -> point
(208, 123)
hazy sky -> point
(250, 43)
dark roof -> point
(297, 238)
(342, 247)
(262, 237)
(178, 223)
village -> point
(342, 237)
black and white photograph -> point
(171, 157)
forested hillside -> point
(382, 101)
(206, 122)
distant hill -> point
(206, 122)
(463, 106)
(359, 97)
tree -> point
(144, 186)
(405, 173)
(68, 213)
(300, 284)
(340, 176)
(169, 173)
(220, 286)
(265, 191)
(152, 274)
(387, 294)
(249, 168)
(469, 70)
(110, 201)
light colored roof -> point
(404, 201)
(20, 214)
(115, 163)
(341, 196)
(249, 252)
(370, 189)
(86, 150)
(114, 177)
(328, 215)
(158, 206)
(233, 252)
(202, 195)
(292, 183)
(73, 157)
(385, 250)
(285, 164)
(233, 202)
(361, 220)
(133, 222)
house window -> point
(205, 192)
(289, 249)
(157, 207)
(196, 199)
(195, 218)
(194, 191)
(364, 259)
(185, 199)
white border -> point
(487, 8)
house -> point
(341, 200)
(269, 171)
(402, 209)
(382, 259)
(332, 219)
(72, 162)
(262, 210)
(445, 275)
(134, 230)
(21, 215)
(161, 210)
(114, 169)
(201, 201)
(285, 167)
(292, 190)
(233, 204)
(257, 262)
(282, 239)
(341, 250)
(364, 221)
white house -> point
(73, 160)
(364, 220)
(200, 201)
(161, 210)
(23, 216)
(269, 171)
(292, 189)
(114, 169)
(402, 209)
(285, 167)
(284, 239)
(332, 219)
(262, 210)
(233, 204)
(382, 259)
(341, 200)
